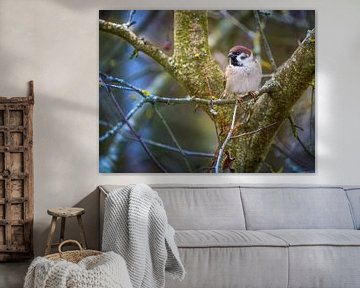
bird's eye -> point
(243, 57)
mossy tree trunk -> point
(193, 66)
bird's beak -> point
(230, 55)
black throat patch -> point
(235, 62)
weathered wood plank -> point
(16, 177)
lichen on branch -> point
(195, 66)
(123, 31)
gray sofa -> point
(243, 236)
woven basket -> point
(72, 256)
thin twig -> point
(105, 124)
(187, 153)
(268, 166)
(121, 123)
(216, 129)
(121, 87)
(253, 132)
(213, 114)
(294, 128)
(144, 72)
(289, 19)
(221, 151)
(287, 155)
(173, 138)
(265, 41)
(131, 21)
(122, 113)
(267, 75)
(312, 116)
(305, 148)
(233, 20)
(121, 82)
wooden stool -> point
(64, 213)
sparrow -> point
(243, 73)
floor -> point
(12, 274)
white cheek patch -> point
(238, 58)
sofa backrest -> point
(214, 207)
(203, 207)
(195, 207)
(296, 208)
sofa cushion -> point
(226, 238)
(296, 208)
(327, 258)
(324, 266)
(191, 207)
(218, 267)
(317, 237)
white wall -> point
(55, 43)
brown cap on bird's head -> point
(240, 49)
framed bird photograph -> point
(219, 91)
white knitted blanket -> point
(103, 271)
(136, 227)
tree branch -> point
(122, 31)
(227, 139)
(269, 87)
(122, 113)
(294, 77)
